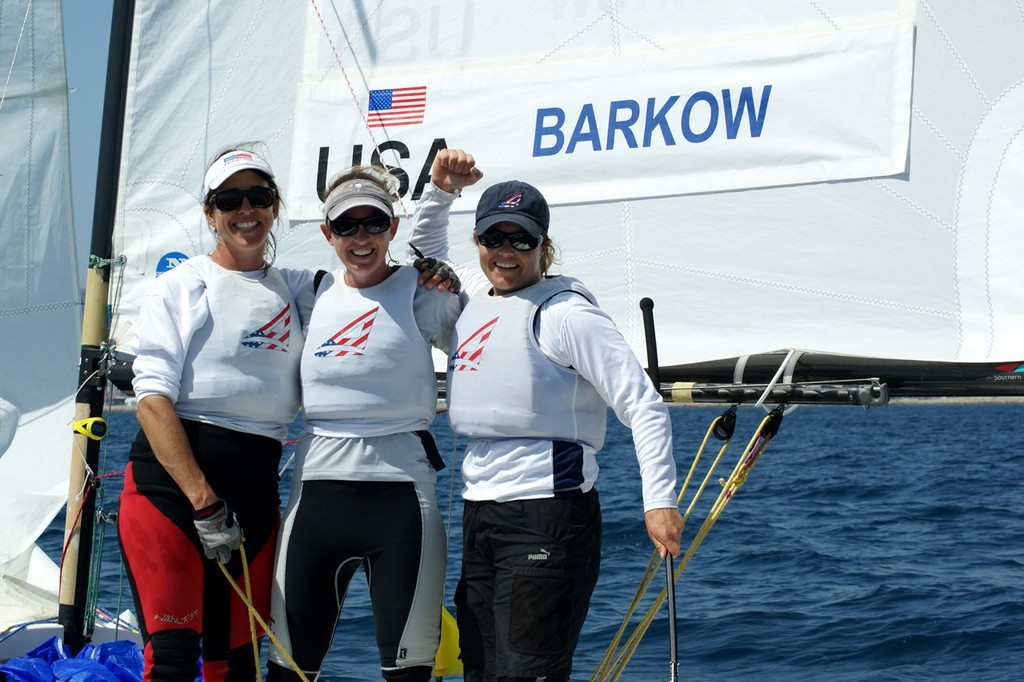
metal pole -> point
(673, 645)
(647, 306)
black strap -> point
(430, 447)
(317, 279)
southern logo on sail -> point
(1013, 368)
(466, 357)
(396, 107)
(351, 339)
(274, 334)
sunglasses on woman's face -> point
(520, 241)
(231, 199)
(349, 227)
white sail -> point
(864, 204)
(40, 302)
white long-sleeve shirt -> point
(572, 333)
(176, 332)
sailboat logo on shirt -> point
(351, 339)
(467, 356)
(274, 334)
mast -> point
(78, 530)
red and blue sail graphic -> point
(351, 339)
(274, 334)
(467, 356)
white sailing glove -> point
(219, 531)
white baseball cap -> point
(231, 162)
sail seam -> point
(948, 144)
(63, 305)
(988, 234)
(629, 265)
(616, 23)
(825, 16)
(573, 37)
(955, 53)
(914, 205)
(14, 57)
(215, 100)
(641, 36)
(978, 130)
(30, 159)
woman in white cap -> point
(534, 364)
(216, 377)
(363, 487)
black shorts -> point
(528, 570)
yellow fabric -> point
(447, 661)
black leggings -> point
(394, 532)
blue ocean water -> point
(882, 544)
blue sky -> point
(86, 39)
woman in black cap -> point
(534, 364)
(216, 377)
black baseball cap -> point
(516, 202)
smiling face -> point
(364, 255)
(241, 234)
(506, 268)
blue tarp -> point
(119, 661)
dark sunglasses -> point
(520, 241)
(348, 227)
(231, 199)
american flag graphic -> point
(351, 340)
(240, 156)
(467, 357)
(397, 106)
(512, 202)
(274, 334)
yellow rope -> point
(611, 669)
(252, 621)
(629, 648)
(254, 614)
(653, 565)
(448, 651)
